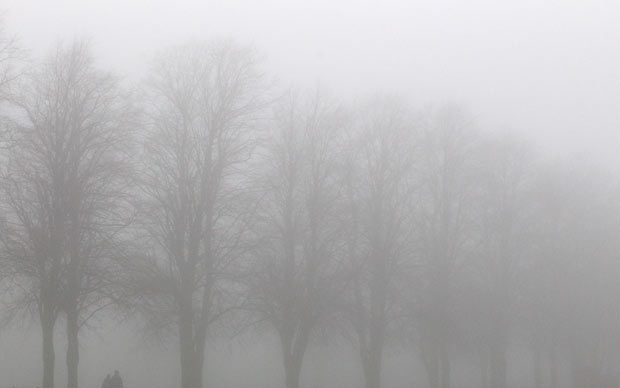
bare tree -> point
(444, 223)
(298, 274)
(572, 275)
(204, 104)
(11, 68)
(505, 215)
(62, 189)
(11, 56)
(544, 278)
(379, 194)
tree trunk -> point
(198, 373)
(372, 357)
(498, 364)
(186, 342)
(47, 326)
(553, 366)
(445, 366)
(434, 369)
(73, 356)
(372, 368)
(292, 371)
(537, 367)
(199, 359)
(73, 291)
(372, 353)
(191, 369)
(484, 366)
(191, 339)
(431, 365)
(293, 350)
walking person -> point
(116, 381)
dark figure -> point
(116, 381)
(106, 382)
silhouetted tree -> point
(62, 188)
(506, 214)
(11, 58)
(203, 105)
(298, 275)
(444, 221)
(379, 191)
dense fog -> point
(309, 194)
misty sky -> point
(548, 69)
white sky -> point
(548, 69)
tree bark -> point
(294, 344)
(72, 305)
(553, 369)
(537, 367)
(445, 365)
(73, 356)
(432, 368)
(498, 364)
(186, 342)
(192, 338)
(553, 365)
(47, 326)
(484, 366)
(372, 368)
(191, 367)
(292, 371)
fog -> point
(546, 69)
(312, 194)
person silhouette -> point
(106, 382)
(116, 381)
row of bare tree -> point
(204, 197)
